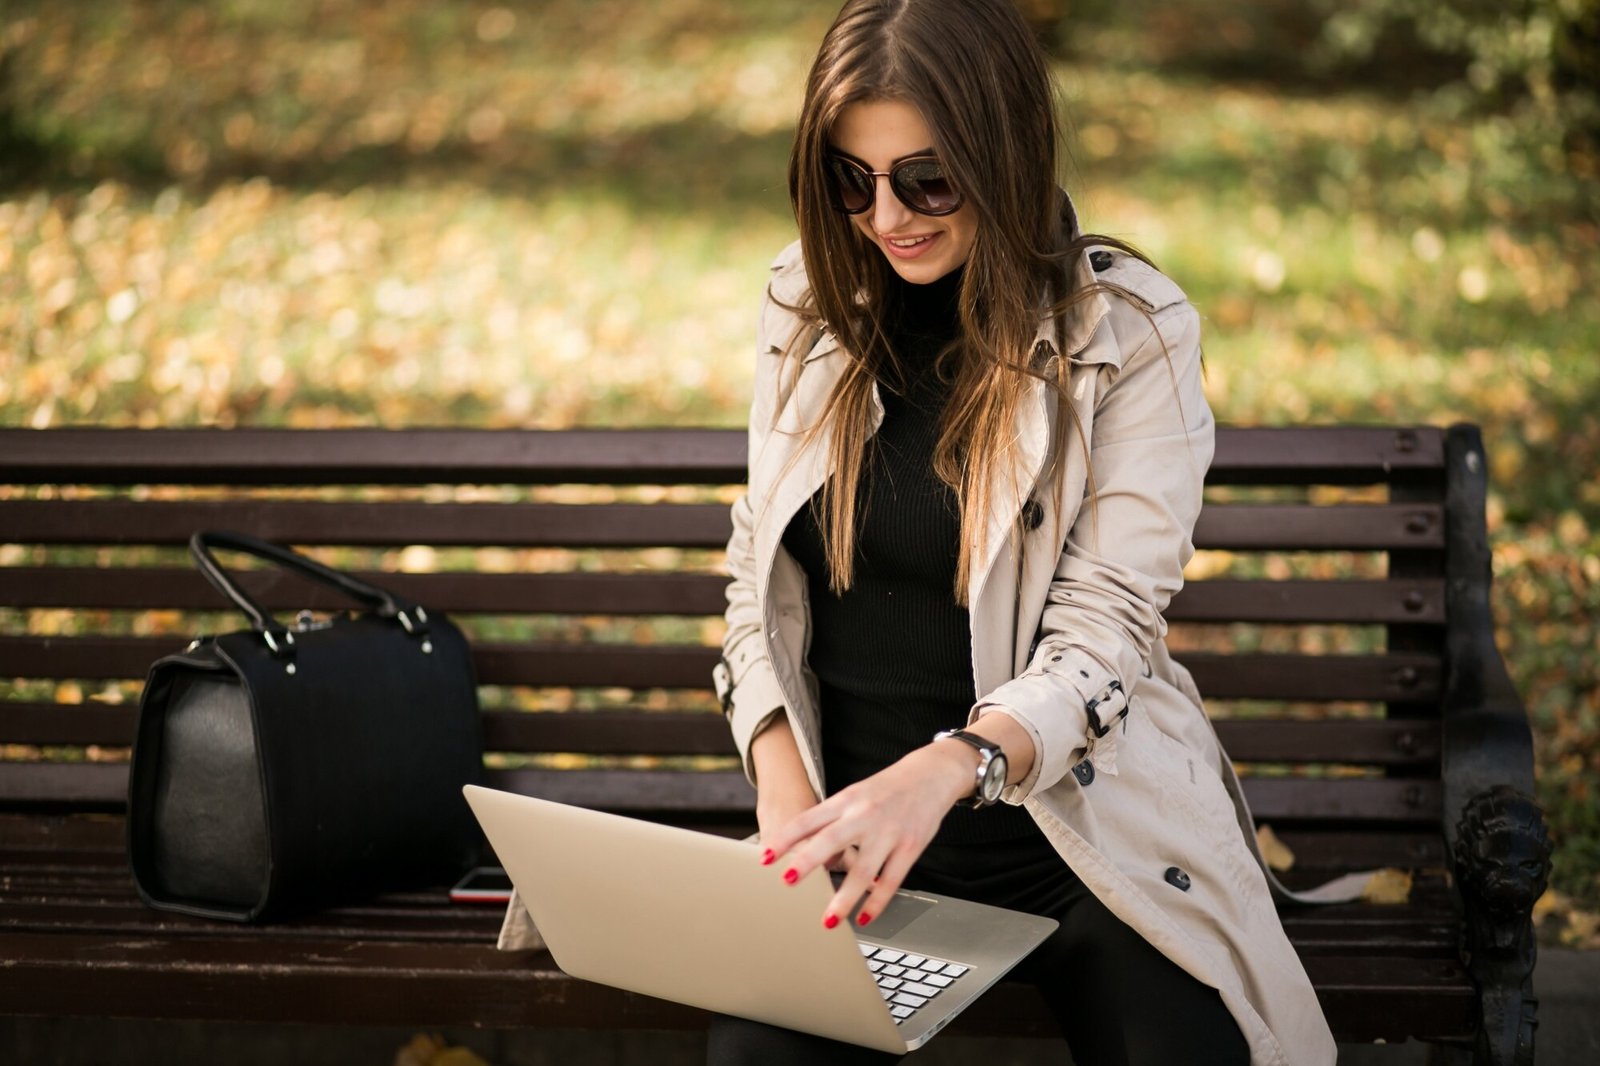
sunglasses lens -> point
(922, 184)
(851, 187)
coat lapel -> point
(811, 460)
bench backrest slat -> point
(1330, 455)
(1238, 527)
(1354, 602)
(1363, 741)
(585, 566)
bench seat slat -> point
(377, 983)
(1414, 601)
(108, 904)
(1406, 676)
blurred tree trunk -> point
(1577, 75)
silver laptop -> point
(696, 919)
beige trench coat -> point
(1053, 627)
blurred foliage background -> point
(347, 212)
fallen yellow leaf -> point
(1388, 885)
(1275, 851)
(1547, 903)
(429, 1050)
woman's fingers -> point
(797, 829)
(887, 884)
(889, 817)
(843, 861)
(856, 885)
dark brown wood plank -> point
(98, 840)
(1352, 741)
(371, 456)
(60, 835)
(1267, 455)
(563, 665)
(715, 792)
(69, 724)
(1314, 677)
(81, 784)
(609, 732)
(573, 665)
(1234, 527)
(309, 522)
(630, 593)
(1318, 602)
(125, 915)
(1237, 527)
(375, 983)
(1318, 849)
(1324, 454)
(725, 792)
(1341, 740)
(1375, 800)
(641, 593)
(1303, 527)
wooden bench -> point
(1337, 619)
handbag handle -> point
(201, 545)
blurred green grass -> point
(334, 212)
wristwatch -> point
(991, 776)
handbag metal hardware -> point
(306, 622)
(286, 649)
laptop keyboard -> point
(908, 982)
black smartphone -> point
(485, 884)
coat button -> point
(1032, 514)
(1084, 772)
(1100, 260)
(1177, 878)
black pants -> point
(1118, 1000)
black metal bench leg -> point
(1502, 862)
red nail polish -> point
(863, 918)
(791, 875)
(830, 921)
(767, 856)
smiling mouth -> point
(911, 242)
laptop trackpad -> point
(903, 909)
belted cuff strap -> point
(1068, 701)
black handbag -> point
(276, 770)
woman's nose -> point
(888, 213)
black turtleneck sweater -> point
(893, 655)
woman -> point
(977, 443)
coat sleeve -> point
(1151, 443)
(745, 681)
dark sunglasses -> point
(919, 183)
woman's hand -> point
(889, 818)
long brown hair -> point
(982, 84)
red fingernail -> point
(830, 921)
(767, 856)
(791, 875)
(863, 918)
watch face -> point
(994, 779)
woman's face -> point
(921, 248)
